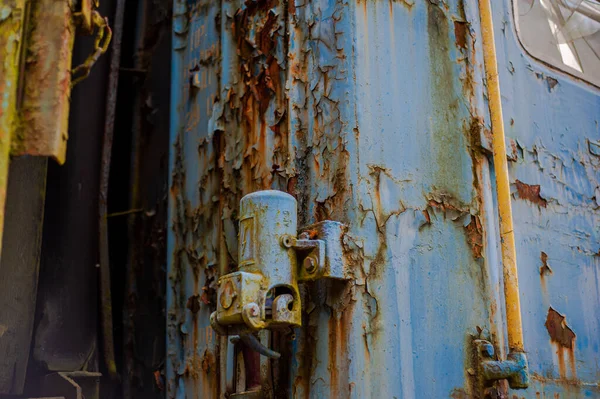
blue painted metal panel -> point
(552, 123)
(191, 343)
(373, 113)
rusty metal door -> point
(375, 114)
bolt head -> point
(487, 350)
(254, 310)
(304, 236)
(310, 264)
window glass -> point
(563, 33)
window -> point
(563, 33)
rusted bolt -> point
(251, 316)
(228, 295)
(310, 264)
(304, 236)
(254, 310)
(487, 350)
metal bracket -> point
(72, 385)
(326, 253)
(489, 370)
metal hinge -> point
(273, 259)
(489, 370)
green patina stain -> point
(452, 172)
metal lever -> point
(253, 343)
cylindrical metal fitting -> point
(266, 217)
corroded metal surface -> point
(47, 81)
(299, 106)
(47, 77)
(371, 113)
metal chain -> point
(101, 43)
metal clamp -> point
(489, 370)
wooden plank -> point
(19, 266)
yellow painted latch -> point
(47, 75)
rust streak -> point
(516, 151)
(545, 268)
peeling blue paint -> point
(373, 113)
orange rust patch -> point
(443, 205)
(193, 303)
(514, 155)
(475, 237)
(530, 193)
(208, 362)
(563, 339)
(205, 298)
(544, 269)
(47, 87)
(312, 234)
(427, 217)
(558, 329)
(158, 381)
(461, 29)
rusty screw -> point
(254, 310)
(486, 349)
(304, 236)
(310, 264)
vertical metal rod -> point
(109, 124)
(507, 237)
(139, 44)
